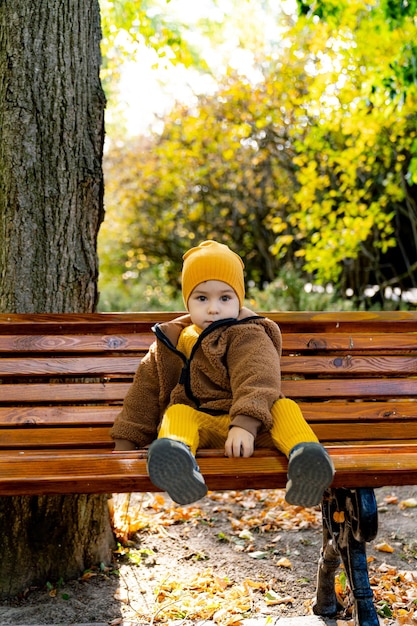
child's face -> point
(211, 301)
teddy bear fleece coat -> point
(234, 369)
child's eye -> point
(225, 298)
(201, 298)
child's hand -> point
(240, 442)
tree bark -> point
(51, 143)
(46, 538)
(51, 207)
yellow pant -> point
(200, 430)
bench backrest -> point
(63, 377)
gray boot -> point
(173, 468)
(310, 473)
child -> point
(212, 379)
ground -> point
(229, 557)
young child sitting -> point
(211, 379)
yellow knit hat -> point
(212, 261)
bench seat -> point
(40, 472)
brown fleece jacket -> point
(234, 369)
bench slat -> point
(127, 365)
(76, 343)
(330, 411)
(58, 415)
(297, 389)
(348, 342)
(125, 472)
(27, 438)
(359, 432)
(359, 411)
(339, 365)
(350, 388)
(74, 366)
(93, 435)
(64, 392)
(294, 321)
(140, 341)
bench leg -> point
(325, 602)
(350, 519)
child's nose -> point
(213, 306)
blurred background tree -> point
(300, 153)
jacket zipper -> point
(185, 376)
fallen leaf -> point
(272, 598)
(384, 547)
(284, 562)
(339, 517)
(255, 584)
(258, 554)
(121, 595)
(87, 575)
(246, 534)
(384, 568)
(410, 503)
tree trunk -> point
(46, 538)
(51, 186)
(51, 207)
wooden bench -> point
(63, 379)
